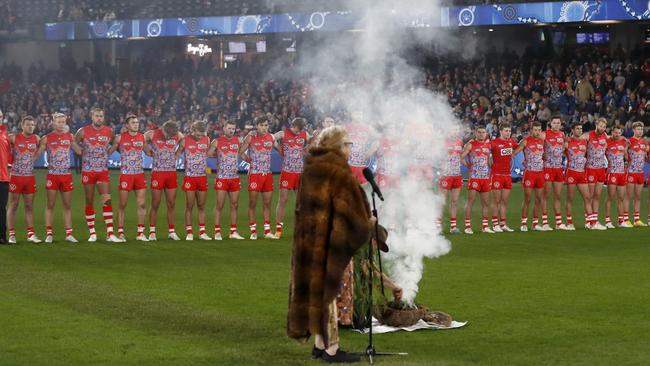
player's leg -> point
(503, 209)
(190, 198)
(496, 207)
(485, 211)
(104, 190)
(570, 192)
(557, 203)
(471, 196)
(622, 203)
(49, 213)
(595, 200)
(14, 199)
(121, 209)
(546, 192)
(586, 197)
(537, 208)
(454, 195)
(89, 194)
(66, 200)
(234, 206)
(218, 208)
(611, 196)
(637, 190)
(170, 201)
(279, 212)
(141, 202)
(266, 213)
(201, 198)
(525, 207)
(156, 197)
(252, 219)
(28, 200)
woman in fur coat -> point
(332, 221)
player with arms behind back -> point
(533, 148)
(637, 152)
(617, 179)
(553, 173)
(195, 181)
(576, 153)
(451, 180)
(502, 149)
(480, 159)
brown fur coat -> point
(332, 222)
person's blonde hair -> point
(602, 120)
(199, 126)
(637, 124)
(332, 137)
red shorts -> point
(163, 180)
(260, 182)
(357, 171)
(617, 179)
(195, 183)
(59, 182)
(480, 185)
(635, 178)
(227, 184)
(500, 181)
(385, 181)
(596, 175)
(95, 177)
(450, 182)
(22, 184)
(553, 175)
(132, 182)
(573, 177)
(533, 179)
(289, 180)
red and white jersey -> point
(227, 155)
(259, 151)
(534, 154)
(360, 135)
(637, 151)
(479, 159)
(23, 154)
(616, 155)
(452, 163)
(95, 148)
(164, 151)
(596, 148)
(196, 155)
(387, 157)
(58, 153)
(553, 149)
(131, 153)
(293, 150)
(502, 155)
(576, 154)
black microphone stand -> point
(370, 350)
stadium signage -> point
(200, 49)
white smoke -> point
(367, 71)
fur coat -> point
(332, 222)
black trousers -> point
(4, 195)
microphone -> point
(367, 173)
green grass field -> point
(553, 298)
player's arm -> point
(244, 148)
(147, 143)
(42, 144)
(213, 147)
(115, 145)
(276, 142)
(180, 149)
(79, 136)
(278, 135)
(519, 147)
(463, 155)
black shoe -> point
(340, 357)
(3, 241)
(316, 353)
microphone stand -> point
(370, 350)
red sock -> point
(495, 221)
(503, 222)
(524, 221)
(544, 219)
(108, 218)
(452, 222)
(267, 227)
(120, 230)
(569, 220)
(620, 219)
(217, 229)
(468, 223)
(30, 232)
(12, 232)
(188, 229)
(278, 227)
(172, 228)
(68, 231)
(201, 229)
(626, 216)
(484, 223)
(90, 219)
(253, 227)
(607, 219)
(152, 229)
(558, 219)
(595, 217)
(233, 229)
(140, 229)
(48, 230)
(535, 221)
(637, 216)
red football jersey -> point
(502, 155)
